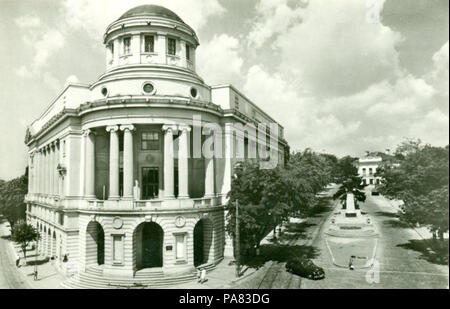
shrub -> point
(304, 267)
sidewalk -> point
(48, 275)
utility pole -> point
(237, 240)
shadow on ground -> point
(324, 204)
(393, 223)
(38, 262)
(279, 253)
(386, 214)
(8, 237)
(435, 252)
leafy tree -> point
(12, 194)
(350, 181)
(306, 174)
(353, 185)
(421, 181)
(23, 234)
(267, 197)
(264, 202)
(345, 168)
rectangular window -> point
(171, 46)
(117, 248)
(188, 52)
(126, 46)
(149, 43)
(236, 102)
(150, 141)
(150, 183)
(111, 48)
(180, 247)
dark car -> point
(305, 268)
(374, 192)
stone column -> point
(168, 161)
(209, 168)
(52, 168)
(183, 156)
(113, 162)
(38, 171)
(127, 160)
(55, 170)
(47, 167)
(89, 183)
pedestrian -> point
(18, 261)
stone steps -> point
(93, 279)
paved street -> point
(10, 278)
(401, 264)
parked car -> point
(304, 267)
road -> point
(273, 275)
(10, 278)
(400, 263)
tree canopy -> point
(12, 194)
(421, 181)
(23, 234)
(267, 197)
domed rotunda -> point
(119, 187)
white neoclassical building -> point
(367, 167)
(117, 187)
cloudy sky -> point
(341, 76)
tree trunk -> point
(441, 235)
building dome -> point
(151, 10)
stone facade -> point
(113, 182)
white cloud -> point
(28, 21)
(95, 16)
(340, 88)
(334, 51)
(273, 17)
(218, 60)
(304, 124)
(45, 42)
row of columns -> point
(169, 171)
(114, 158)
(44, 176)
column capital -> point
(129, 127)
(168, 127)
(183, 127)
(113, 128)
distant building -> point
(114, 187)
(367, 167)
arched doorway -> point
(148, 244)
(95, 244)
(203, 231)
